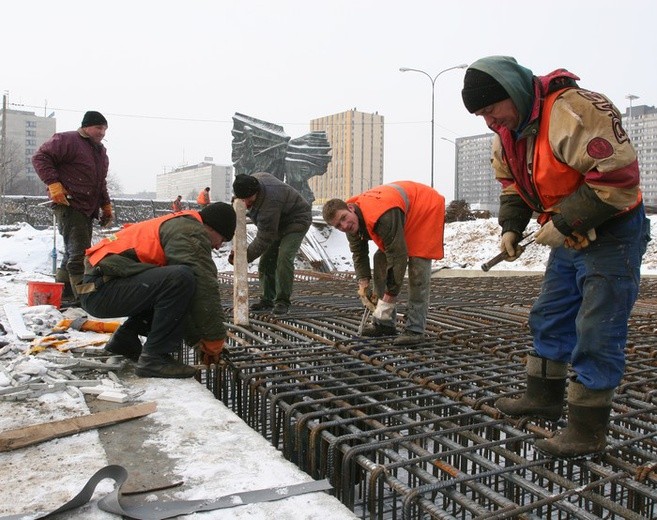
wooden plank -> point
(16, 322)
(29, 435)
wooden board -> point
(29, 435)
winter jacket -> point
(183, 241)
(278, 210)
(582, 130)
(404, 219)
(80, 165)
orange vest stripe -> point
(143, 237)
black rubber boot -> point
(546, 387)
(162, 365)
(588, 418)
(262, 305)
(124, 342)
(377, 330)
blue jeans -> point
(581, 314)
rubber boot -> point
(125, 342)
(75, 280)
(588, 419)
(61, 276)
(162, 365)
(546, 387)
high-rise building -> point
(475, 182)
(188, 181)
(22, 134)
(640, 123)
(356, 140)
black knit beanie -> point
(244, 186)
(220, 217)
(481, 90)
(93, 118)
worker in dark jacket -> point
(562, 152)
(160, 273)
(282, 217)
(74, 167)
(405, 220)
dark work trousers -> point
(160, 296)
(276, 268)
(75, 228)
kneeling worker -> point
(160, 273)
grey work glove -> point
(549, 235)
(384, 311)
(510, 244)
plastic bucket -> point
(45, 293)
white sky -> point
(170, 75)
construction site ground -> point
(399, 431)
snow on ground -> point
(214, 451)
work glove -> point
(367, 297)
(58, 193)
(549, 235)
(384, 311)
(106, 216)
(510, 244)
(211, 350)
(231, 258)
(578, 241)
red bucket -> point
(45, 293)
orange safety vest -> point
(424, 210)
(553, 180)
(143, 237)
(203, 198)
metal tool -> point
(363, 321)
(504, 255)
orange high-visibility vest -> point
(143, 237)
(203, 198)
(424, 210)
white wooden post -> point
(240, 265)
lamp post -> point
(433, 101)
(631, 97)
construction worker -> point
(203, 198)
(561, 152)
(282, 217)
(74, 166)
(406, 221)
(161, 274)
(176, 205)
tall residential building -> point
(356, 140)
(640, 123)
(188, 181)
(22, 134)
(475, 182)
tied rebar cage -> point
(411, 432)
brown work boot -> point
(124, 342)
(544, 396)
(162, 365)
(588, 418)
(377, 330)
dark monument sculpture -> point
(259, 146)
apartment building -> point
(22, 134)
(356, 140)
(188, 181)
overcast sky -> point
(169, 75)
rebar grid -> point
(411, 432)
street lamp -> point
(631, 97)
(433, 100)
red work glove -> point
(58, 193)
(211, 349)
(106, 216)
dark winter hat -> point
(220, 217)
(93, 118)
(245, 185)
(480, 90)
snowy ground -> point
(214, 451)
